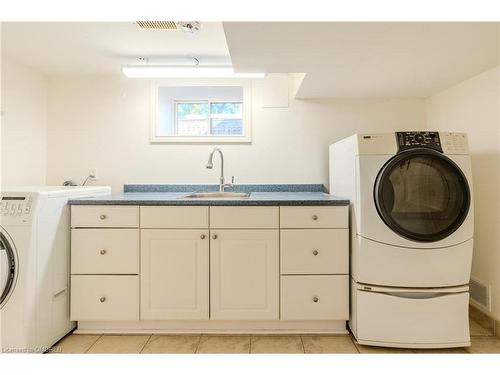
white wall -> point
(24, 125)
(103, 122)
(473, 107)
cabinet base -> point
(212, 327)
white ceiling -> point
(93, 47)
(366, 59)
(340, 59)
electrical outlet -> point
(93, 174)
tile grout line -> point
(354, 343)
(198, 345)
(146, 343)
(91, 346)
(303, 347)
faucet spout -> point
(210, 165)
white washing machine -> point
(411, 236)
(34, 256)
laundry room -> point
(233, 185)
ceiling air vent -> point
(157, 25)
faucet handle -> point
(231, 185)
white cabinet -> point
(244, 269)
(236, 217)
(104, 216)
(174, 274)
(104, 297)
(174, 217)
(314, 251)
(314, 217)
(104, 251)
(214, 267)
(104, 263)
(314, 263)
(315, 297)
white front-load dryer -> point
(412, 216)
(411, 235)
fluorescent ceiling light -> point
(170, 71)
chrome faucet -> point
(210, 165)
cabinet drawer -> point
(174, 217)
(314, 251)
(104, 216)
(104, 251)
(104, 297)
(244, 217)
(314, 217)
(315, 297)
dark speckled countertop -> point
(173, 195)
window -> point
(211, 114)
(206, 118)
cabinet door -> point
(174, 274)
(244, 268)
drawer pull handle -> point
(214, 236)
(202, 236)
(102, 299)
(315, 217)
(315, 252)
(102, 217)
(102, 252)
(315, 299)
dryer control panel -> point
(410, 140)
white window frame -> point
(246, 137)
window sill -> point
(205, 140)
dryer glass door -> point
(422, 195)
(8, 268)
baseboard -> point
(212, 327)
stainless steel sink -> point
(216, 195)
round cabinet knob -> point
(214, 236)
(102, 299)
(315, 252)
(315, 299)
(102, 217)
(102, 252)
(202, 236)
(315, 217)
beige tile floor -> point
(483, 341)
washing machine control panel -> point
(410, 140)
(15, 207)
